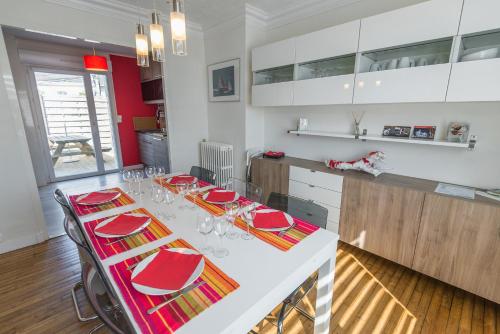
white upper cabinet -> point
(418, 84)
(270, 95)
(324, 91)
(274, 55)
(480, 15)
(475, 81)
(327, 43)
(429, 20)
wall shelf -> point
(468, 145)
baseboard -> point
(12, 245)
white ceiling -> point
(209, 13)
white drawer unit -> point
(319, 179)
(475, 81)
(331, 42)
(277, 94)
(314, 193)
(479, 15)
(425, 21)
(416, 84)
(274, 55)
(324, 91)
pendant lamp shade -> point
(95, 63)
(178, 28)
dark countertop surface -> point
(395, 180)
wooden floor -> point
(372, 295)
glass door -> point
(78, 125)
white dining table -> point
(266, 274)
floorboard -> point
(372, 295)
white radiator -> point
(218, 158)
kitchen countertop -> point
(395, 180)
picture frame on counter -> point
(224, 81)
(424, 132)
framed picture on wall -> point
(224, 81)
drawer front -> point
(317, 194)
(318, 179)
(333, 212)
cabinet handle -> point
(313, 171)
(311, 186)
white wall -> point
(186, 104)
(22, 218)
(477, 168)
(226, 120)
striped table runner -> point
(83, 210)
(173, 188)
(173, 316)
(292, 237)
(155, 230)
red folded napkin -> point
(182, 179)
(123, 225)
(98, 197)
(273, 219)
(168, 270)
(220, 196)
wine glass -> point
(160, 173)
(158, 194)
(193, 190)
(127, 176)
(232, 210)
(138, 177)
(181, 191)
(205, 226)
(150, 172)
(249, 219)
(169, 198)
(220, 228)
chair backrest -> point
(101, 301)
(203, 174)
(247, 189)
(61, 199)
(299, 208)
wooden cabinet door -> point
(271, 175)
(381, 219)
(459, 243)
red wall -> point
(128, 96)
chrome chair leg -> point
(81, 318)
(95, 329)
(304, 313)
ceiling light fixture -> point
(95, 63)
(141, 46)
(178, 28)
(157, 41)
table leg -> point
(57, 153)
(324, 296)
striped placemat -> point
(285, 242)
(83, 210)
(173, 316)
(108, 247)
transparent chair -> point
(314, 214)
(203, 174)
(247, 189)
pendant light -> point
(141, 46)
(157, 42)
(95, 63)
(178, 28)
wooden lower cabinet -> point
(381, 219)
(271, 175)
(459, 243)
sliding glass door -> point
(78, 127)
